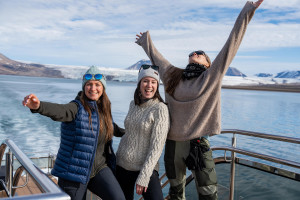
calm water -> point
(268, 112)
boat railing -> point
(233, 159)
(52, 191)
(48, 187)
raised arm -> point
(144, 40)
(229, 50)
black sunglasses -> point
(90, 76)
(148, 66)
(197, 52)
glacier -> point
(125, 75)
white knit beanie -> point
(148, 73)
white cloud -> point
(103, 32)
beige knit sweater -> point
(195, 109)
(146, 129)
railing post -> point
(231, 195)
(50, 161)
(9, 172)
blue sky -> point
(102, 33)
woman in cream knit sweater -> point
(146, 129)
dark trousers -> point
(104, 185)
(206, 180)
(127, 181)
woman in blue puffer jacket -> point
(85, 159)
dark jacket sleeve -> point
(58, 112)
(118, 132)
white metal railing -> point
(235, 150)
(50, 189)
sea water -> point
(269, 112)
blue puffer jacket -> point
(78, 146)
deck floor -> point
(29, 189)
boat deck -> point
(29, 189)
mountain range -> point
(11, 67)
(288, 74)
(284, 74)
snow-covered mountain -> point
(284, 74)
(130, 74)
(288, 74)
(11, 67)
(234, 72)
(115, 74)
(137, 65)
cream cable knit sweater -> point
(146, 129)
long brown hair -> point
(172, 80)
(104, 110)
(138, 95)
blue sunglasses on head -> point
(90, 76)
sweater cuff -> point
(142, 39)
(252, 3)
(37, 110)
(143, 181)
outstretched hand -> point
(257, 3)
(31, 101)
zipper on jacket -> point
(95, 145)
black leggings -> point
(127, 181)
(104, 185)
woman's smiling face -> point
(148, 87)
(93, 90)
